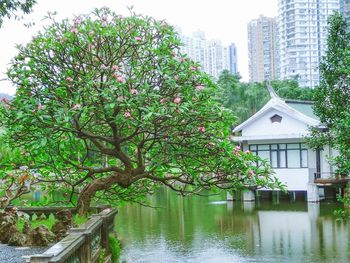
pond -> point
(209, 229)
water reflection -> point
(205, 229)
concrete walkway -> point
(15, 254)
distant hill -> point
(5, 95)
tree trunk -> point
(4, 202)
(89, 191)
(84, 199)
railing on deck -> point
(83, 244)
(330, 178)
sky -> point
(224, 20)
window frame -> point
(300, 147)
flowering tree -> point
(15, 178)
(9, 8)
(107, 105)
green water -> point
(209, 229)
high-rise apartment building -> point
(211, 54)
(262, 49)
(345, 9)
(302, 35)
(233, 58)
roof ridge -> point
(299, 101)
(276, 103)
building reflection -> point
(283, 232)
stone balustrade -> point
(39, 211)
(83, 244)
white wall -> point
(311, 160)
(296, 179)
(263, 125)
(325, 167)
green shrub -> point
(102, 256)
(115, 247)
(49, 221)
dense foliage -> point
(244, 99)
(15, 179)
(11, 8)
(107, 107)
(332, 97)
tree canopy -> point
(10, 8)
(107, 105)
(332, 97)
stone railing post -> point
(83, 243)
(107, 216)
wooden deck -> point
(332, 181)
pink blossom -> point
(41, 107)
(134, 91)
(115, 67)
(177, 100)
(120, 79)
(4, 100)
(104, 18)
(77, 20)
(69, 79)
(162, 100)
(103, 66)
(74, 30)
(251, 172)
(201, 129)
(138, 38)
(127, 114)
(176, 77)
(182, 60)
(247, 151)
(193, 68)
(199, 87)
(76, 106)
(237, 150)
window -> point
(293, 157)
(283, 155)
(276, 118)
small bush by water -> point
(115, 247)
